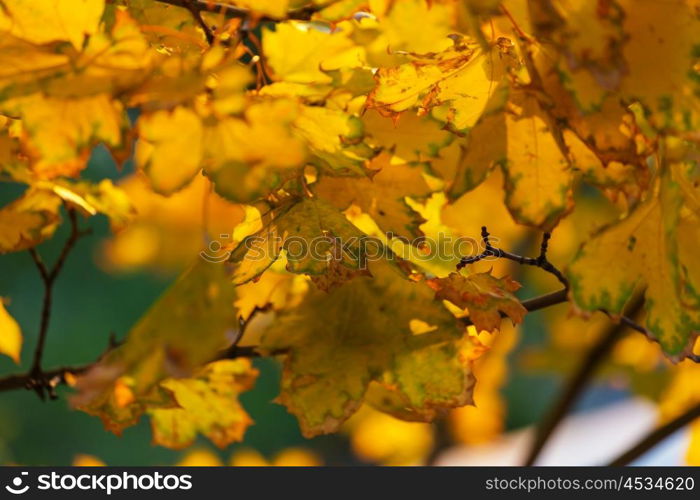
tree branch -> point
(579, 381)
(38, 380)
(657, 435)
(534, 304)
(197, 15)
(53, 378)
(539, 261)
(231, 11)
(57, 376)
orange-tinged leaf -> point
(434, 79)
(693, 454)
(61, 132)
(200, 458)
(297, 457)
(484, 296)
(29, 220)
(207, 404)
(83, 460)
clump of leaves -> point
(328, 141)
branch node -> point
(540, 261)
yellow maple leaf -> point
(207, 404)
(315, 52)
(485, 421)
(325, 379)
(125, 382)
(644, 249)
(169, 148)
(312, 233)
(394, 32)
(29, 220)
(59, 132)
(10, 334)
(274, 8)
(382, 196)
(166, 233)
(441, 78)
(63, 97)
(43, 21)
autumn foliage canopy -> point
(322, 171)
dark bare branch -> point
(38, 380)
(657, 435)
(498, 253)
(57, 376)
(579, 381)
(196, 12)
(231, 11)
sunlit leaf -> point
(311, 232)
(29, 220)
(207, 404)
(170, 148)
(642, 249)
(483, 295)
(10, 335)
(339, 342)
(161, 345)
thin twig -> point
(196, 12)
(52, 378)
(231, 11)
(533, 304)
(657, 435)
(57, 376)
(37, 379)
(579, 381)
(539, 261)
